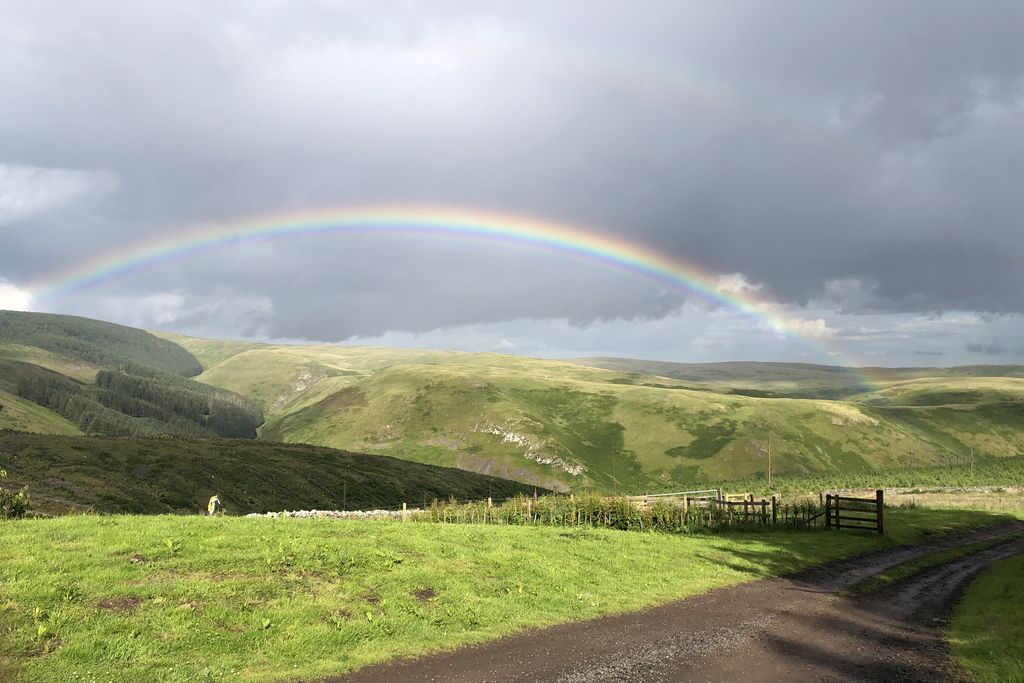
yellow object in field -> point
(213, 507)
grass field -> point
(193, 598)
(988, 627)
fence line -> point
(685, 511)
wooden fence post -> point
(879, 506)
(405, 512)
(719, 493)
(686, 504)
(775, 511)
(835, 517)
(821, 501)
(828, 511)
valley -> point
(560, 425)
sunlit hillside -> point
(569, 426)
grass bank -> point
(987, 628)
(190, 598)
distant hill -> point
(800, 380)
(571, 427)
(94, 342)
(160, 475)
(110, 379)
(559, 425)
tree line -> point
(147, 403)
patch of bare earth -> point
(805, 627)
(122, 603)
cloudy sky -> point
(856, 168)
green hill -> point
(568, 426)
(97, 343)
(796, 380)
(114, 380)
(559, 425)
(160, 475)
(24, 416)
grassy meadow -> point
(166, 598)
(988, 626)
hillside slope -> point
(159, 475)
(110, 379)
(95, 342)
(24, 416)
(568, 426)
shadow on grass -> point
(794, 552)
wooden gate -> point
(843, 512)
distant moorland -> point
(628, 426)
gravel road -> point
(804, 627)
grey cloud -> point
(993, 348)
(802, 144)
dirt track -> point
(804, 627)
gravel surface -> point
(804, 627)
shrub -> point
(13, 504)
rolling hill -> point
(556, 424)
(161, 475)
(568, 426)
(792, 380)
(110, 379)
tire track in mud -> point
(802, 627)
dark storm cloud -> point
(802, 144)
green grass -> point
(156, 475)
(988, 626)
(193, 598)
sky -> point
(854, 168)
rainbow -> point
(439, 223)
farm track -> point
(802, 627)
